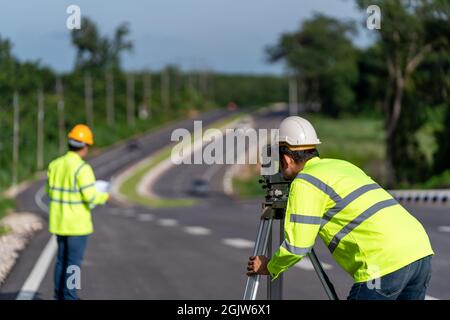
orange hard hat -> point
(81, 133)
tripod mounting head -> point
(277, 189)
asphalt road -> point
(195, 252)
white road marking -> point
(306, 264)
(427, 297)
(233, 170)
(168, 222)
(31, 285)
(197, 231)
(38, 199)
(239, 243)
(444, 229)
(144, 217)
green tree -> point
(96, 52)
(321, 54)
(410, 32)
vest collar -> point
(73, 155)
(311, 162)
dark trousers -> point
(407, 283)
(68, 261)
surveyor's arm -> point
(86, 183)
(47, 186)
(305, 208)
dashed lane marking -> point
(197, 231)
(144, 217)
(239, 243)
(444, 229)
(168, 222)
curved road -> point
(195, 252)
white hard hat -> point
(296, 131)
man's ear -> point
(287, 159)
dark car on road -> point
(200, 187)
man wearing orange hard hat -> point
(71, 187)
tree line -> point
(403, 77)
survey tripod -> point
(274, 208)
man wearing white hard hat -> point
(369, 234)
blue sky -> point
(223, 35)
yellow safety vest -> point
(71, 189)
(366, 230)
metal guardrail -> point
(435, 196)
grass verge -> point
(6, 205)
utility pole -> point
(204, 83)
(40, 131)
(110, 98)
(293, 97)
(88, 98)
(130, 100)
(190, 81)
(15, 160)
(165, 87)
(61, 125)
(145, 111)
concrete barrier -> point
(436, 196)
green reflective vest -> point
(71, 189)
(368, 232)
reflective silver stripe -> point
(358, 220)
(295, 250)
(76, 175)
(71, 190)
(345, 202)
(321, 186)
(299, 218)
(66, 202)
(87, 186)
(63, 190)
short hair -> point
(300, 155)
(74, 148)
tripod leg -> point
(275, 288)
(326, 283)
(262, 238)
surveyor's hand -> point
(257, 265)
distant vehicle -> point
(200, 187)
(133, 145)
(232, 106)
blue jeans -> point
(70, 254)
(407, 283)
